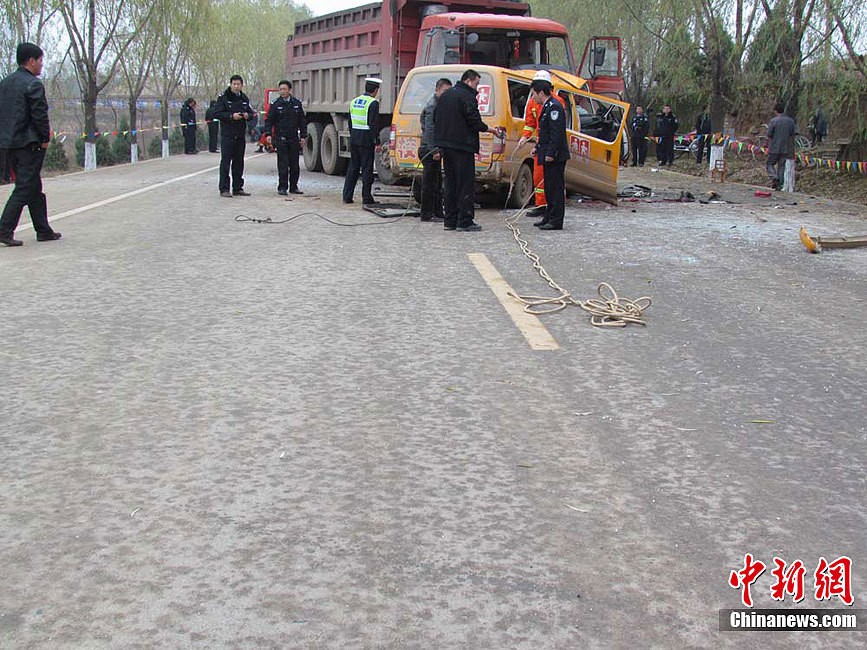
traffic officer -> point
(363, 142)
(25, 134)
(288, 127)
(188, 125)
(552, 152)
(213, 127)
(233, 110)
(639, 128)
(666, 129)
(531, 125)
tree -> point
(91, 27)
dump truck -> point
(329, 56)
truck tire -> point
(313, 147)
(383, 159)
(332, 163)
(522, 192)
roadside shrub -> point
(55, 156)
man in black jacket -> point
(188, 125)
(457, 124)
(552, 152)
(703, 131)
(286, 122)
(233, 110)
(640, 127)
(666, 129)
(363, 142)
(25, 134)
(431, 158)
(213, 127)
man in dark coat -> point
(233, 110)
(703, 132)
(781, 145)
(363, 142)
(639, 128)
(431, 158)
(288, 128)
(552, 152)
(213, 127)
(666, 129)
(25, 134)
(818, 127)
(457, 124)
(188, 125)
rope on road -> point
(269, 220)
(609, 310)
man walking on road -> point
(552, 152)
(639, 127)
(286, 120)
(457, 124)
(781, 146)
(25, 134)
(363, 142)
(431, 159)
(188, 125)
(233, 110)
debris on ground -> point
(816, 244)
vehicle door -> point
(595, 142)
(602, 66)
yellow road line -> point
(529, 325)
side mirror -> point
(598, 56)
(472, 38)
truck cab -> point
(514, 42)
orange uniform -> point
(531, 126)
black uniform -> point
(457, 124)
(188, 126)
(213, 127)
(288, 125)
(666, 129)
(640, 127)
(703, 131)
(232, 144)
(432, 176)
(553, 144)
(362, 149)
(23, 129)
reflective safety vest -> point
(358, 112)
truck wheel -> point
(313, 147)
(383, 159)
(522, 192)
(332, 163)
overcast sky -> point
(319, 7)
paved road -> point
(221, 434)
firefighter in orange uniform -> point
(531, 126)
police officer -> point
(188, 125)
(363, 142)
(25, 134)
(552, 152)
(213, 127)
(639, 128)
(233, 110)
(666, 129)
(286, 122)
